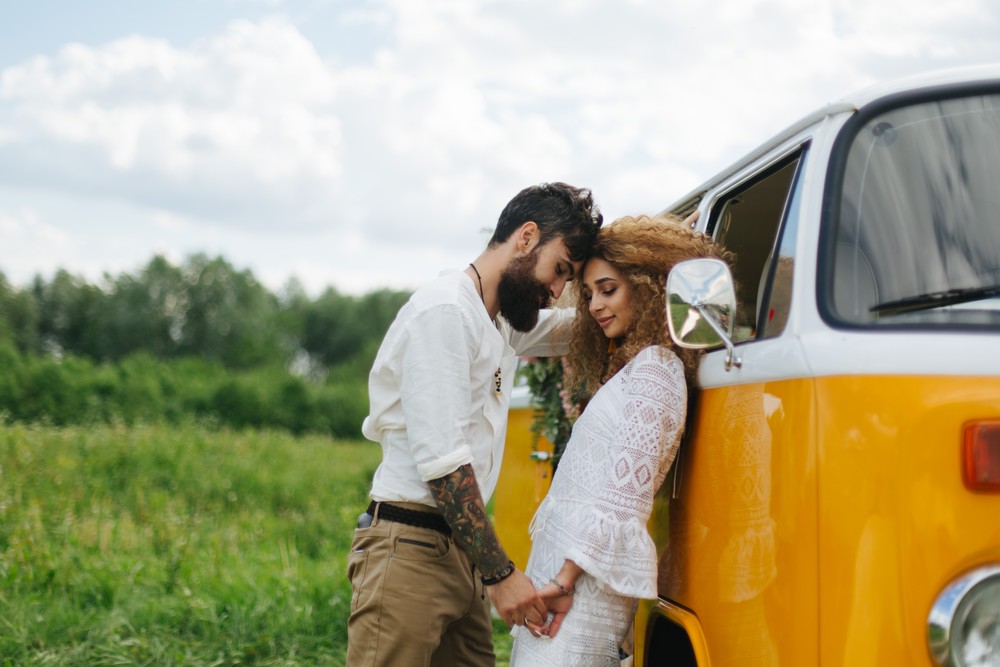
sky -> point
(367, 144)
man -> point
(425, 556)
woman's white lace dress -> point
(596, 511)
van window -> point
(915, 236)
(748, 221)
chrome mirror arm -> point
(732, 358)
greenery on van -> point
(556, 406)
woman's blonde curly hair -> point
(643, 249)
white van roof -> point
(847, 104)
(931, 79)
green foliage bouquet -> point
(557, 402)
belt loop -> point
(375, 513)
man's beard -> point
(521, 295)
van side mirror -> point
(701, 306)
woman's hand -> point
(558, 604)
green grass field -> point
(177, 546)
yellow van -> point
(836, 500)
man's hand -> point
(517, 601)
(558, 604)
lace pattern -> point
(596, 511)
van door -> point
(740, 552)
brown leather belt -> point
(413, 518)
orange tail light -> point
(981, 456)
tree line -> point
(201, 340)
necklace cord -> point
(482, 294)
(497, 376)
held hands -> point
(517, 601)
(558, 599)
(543, 611)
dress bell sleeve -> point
(613, 543)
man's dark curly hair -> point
(559, 210)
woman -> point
(591, 555)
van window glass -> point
(917, 237)
(747, 221)
(776, 301)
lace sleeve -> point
(616, 547)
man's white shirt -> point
(433, 391)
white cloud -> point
(274, 150)
(238, 128)
(24, 230)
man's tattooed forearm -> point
(458, 497)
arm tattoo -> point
(458, 497)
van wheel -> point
(668, 645)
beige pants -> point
(417, 600)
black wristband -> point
(499, 576)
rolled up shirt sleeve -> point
(435, 391)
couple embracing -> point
(425, 562)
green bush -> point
(344, 406)
(144, 390)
